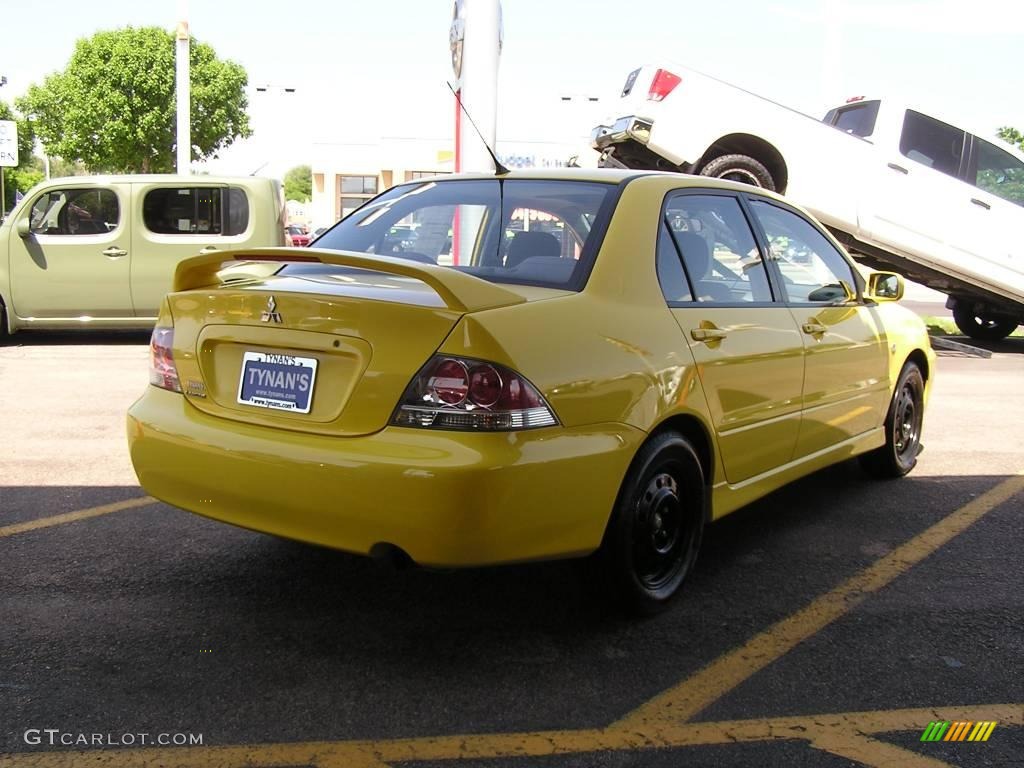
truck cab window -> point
(999, 172)
(933, 143)
(857, 119)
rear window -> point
(857, 119)
(196, 211)
(533, 232)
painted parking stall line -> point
(723, 675)
(74, 517)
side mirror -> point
(885, 286)
(22, 228)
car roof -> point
(158, 178)
(672, 179)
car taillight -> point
(663, 84)
(462, 393)
(162, 372)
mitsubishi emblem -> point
(270, 314)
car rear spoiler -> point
(460, 291)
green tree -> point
(298, 184)
(20, 176)
(113, 107)
(1011, 136)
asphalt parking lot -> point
(826, 625)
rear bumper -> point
(445, 498)
(625, 129)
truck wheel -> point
(983, 327)
(740, 168)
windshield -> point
(534, 232)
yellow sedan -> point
(544, 364)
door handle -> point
(982, 203)
(899, 168)
(708, 334)
(814, 329)
(113, 252)
(208, 249)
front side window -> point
(710, 237)
(930, 142)
(999, 172)
(812, 269)
(196, 211)
(536, 232)
(75, 212)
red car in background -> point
(294, 235)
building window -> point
(355, 190)
(413, 175)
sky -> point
(380, 67)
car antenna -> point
(499, 169)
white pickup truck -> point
(901, 189)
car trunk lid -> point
(313, 349)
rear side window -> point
(857, 119)
(196, 211)
(75, 212)
(710, 237)
(534, 232)
(933, 143)
(999, 172)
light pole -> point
(183, 89)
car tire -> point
(3, 322)
(742, 168)
(982, 327)
(902, 428)
(655, 530)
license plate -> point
(283, 382)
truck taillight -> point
(662, 85)
(162, 372)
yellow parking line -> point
(868, 751)
(845, 733)
(722, 675)
(72, 517)
(660, 723)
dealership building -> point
(350, 170)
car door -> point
(747, 347)
(74, 260)
(175, 221)
(996, 213)
(846, 365)
(918, 203)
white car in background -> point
(901, 189)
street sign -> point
(8, 143)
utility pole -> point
(184, 91)
(3, 190)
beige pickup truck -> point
(100, 251)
